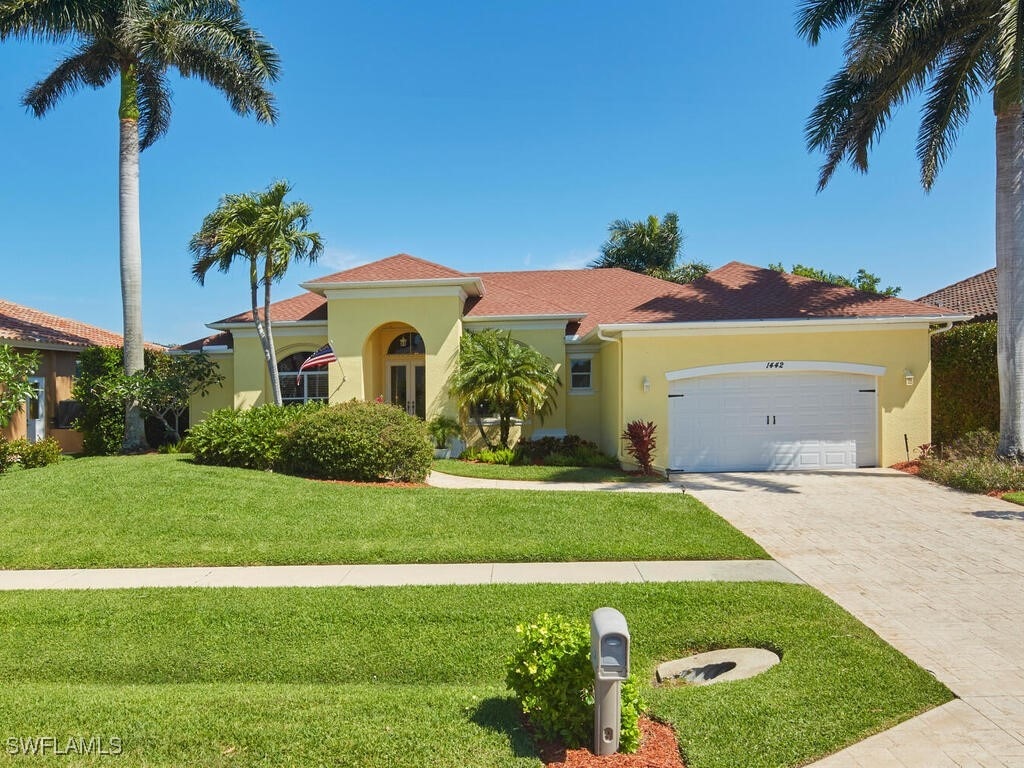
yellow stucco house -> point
(745, 369)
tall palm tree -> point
(138, 42)
(266, 233)
(953, 51)
(513, 379)
(642, 246)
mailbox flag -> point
(323, 356)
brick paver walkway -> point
(937, 573)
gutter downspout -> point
(942, 328)
(618, 341)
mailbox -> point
(609, 644)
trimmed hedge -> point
(250, 439)
(358, 441)
(965, 381)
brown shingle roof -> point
(401, 266)
(611, 296)
(973, 296)
(223, 339)
(28, 326)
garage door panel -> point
(773, 421)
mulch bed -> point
(388, 484)
(910, 467)
(658, 749)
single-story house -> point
(58, 341)
(747, 368)
(976, 296)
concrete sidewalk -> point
(441, 480)
(401, 575)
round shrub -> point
(551, 674)
(358, 441)
(250, 439)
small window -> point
(580, 373)
(407, 344)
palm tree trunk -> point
(131, 255)
(261, 328)
(275, 377)
(1010, 277)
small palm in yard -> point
(513, 379)
(255, 228)
(137, 43)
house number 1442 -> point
(774, 364)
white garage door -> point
(773, 421)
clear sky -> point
(485, 136)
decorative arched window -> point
(306, 387)
(407, 344)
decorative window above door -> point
(407, 344)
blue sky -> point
(486, 136)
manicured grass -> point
(413, 676)
(531, 472)
(164, 510)
(1016, 498)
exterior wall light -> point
(646, 383)
(908, 377)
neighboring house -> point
(58, 342)
(747, 368)
(975, 296)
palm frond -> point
(961, 77)
(1009, 75)
(90, 65)
(54, 21)
(154, 99)
(816, 16)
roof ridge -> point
(952, 286)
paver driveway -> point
(938, 573)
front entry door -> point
(35, 410)
(407, 387)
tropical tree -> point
(137, 43)
(649, 247)
(266, 233)
(862, 281)
(15, 369)
(510, 379)
(953, 51)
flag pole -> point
(343, 377)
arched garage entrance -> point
(773, 415)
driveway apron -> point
(937, 573)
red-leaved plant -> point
(640, 436)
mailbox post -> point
(609, 655)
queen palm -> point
(264, 232)
(137, 43)
(513, 379)
(952, 51)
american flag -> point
(323, 356)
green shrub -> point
(101, 420)
(551, 674)
(250, 439)
(496, 456)
(40, 454)
(10, 452)
(441, 429)
(965, 381)
(970, 464)
(358, 441)
(567, 451)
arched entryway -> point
(395, 355)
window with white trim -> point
(581, 377)
(306, 387)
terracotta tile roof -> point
(29, 326)
(973, 296)
(609, 296)
(401, 266)
(305, 306)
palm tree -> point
(253, 227)
(641, 246)
(137, 42)
(514, 380)
(953, 51)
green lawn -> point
(413, 676)
(531, 472)
(1016, 497)
(164, 510)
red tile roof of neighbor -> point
(973, 296)
(736, 291)
(29, 327)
